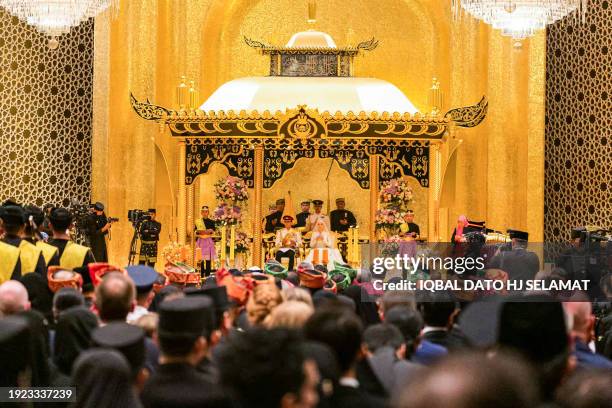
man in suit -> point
(340, 329)
(518, 263)
(184, 330)
(438, 316)
(302, 217)
(341, 218)
(273, 220)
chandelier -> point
(520, 19)
(56, 17)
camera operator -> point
(149, 238)
(98, 226)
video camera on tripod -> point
(137, 218)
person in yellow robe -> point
(70, 255)
(14, 220)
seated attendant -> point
(288, 240)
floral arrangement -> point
(231, 189)
(175, 253)
(390, 246)
(227, 214)
(395, 193)
(388, 217)
(242, 244)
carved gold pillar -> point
(196, 213)
(182, 194)
(258, 206)
(373, 196)
(189, 219)
(435, 172)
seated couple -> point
(322, 242)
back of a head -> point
(394, 298)
(259, 366)
(261, 302)
(72, 336)
(382, 335)
(115, 297)
(66, 298)
(298, 294)
(535, 327)
(291, 315)
(437, 309)
(103, 379)
(60, 219)
(407, 320)
(586, 389)
(39, 294)
(13, 298)
(340, 329)
(472, 381)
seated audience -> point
(342, 330)
(13, 298)
(582, 327)
(102, 380)
(268, 369)
(292, 314)
(472, 381)
(184, 328)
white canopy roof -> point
(331, 94)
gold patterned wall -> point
(498, 171)
(45, 114)
(579, 124)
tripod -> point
(133, 246)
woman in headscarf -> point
(41, 297)
(323, 249)
(102, 378)
(72, 336)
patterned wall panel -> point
(45, 114)
(578, 188)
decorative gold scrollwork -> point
(148, 111)
(469, 116)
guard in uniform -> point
(303, 216)
(205, 228)
(518, 263)
(144, 277)
(341, 218)
(408, 228)
(316, 216)
(32, 260)
(273, 221)
(149, 238)
(70, 255)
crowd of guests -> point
(278, 338)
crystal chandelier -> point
(56, 17)
(520, 19)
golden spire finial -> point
(312, 12)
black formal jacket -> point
(349, 397)
(337, 215)
(180, 385)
